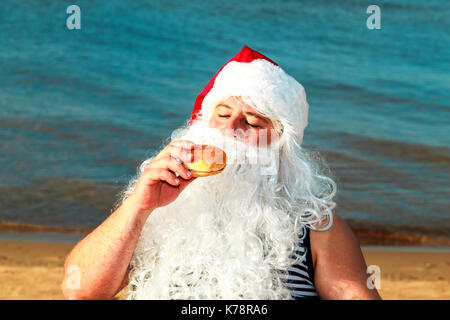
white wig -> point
(231, 236)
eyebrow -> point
(245, 112)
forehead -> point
(238, 103)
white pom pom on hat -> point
(263, 85)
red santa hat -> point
(264, 86)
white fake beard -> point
(222, 238)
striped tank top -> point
(300, 276)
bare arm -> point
(103, 256)
(339, 266)
(97, 266)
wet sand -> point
(34, 270)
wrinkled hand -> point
(158, 185)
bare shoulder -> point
(339, 235)
(339, 265)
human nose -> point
(230, 126)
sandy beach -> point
(33, 270)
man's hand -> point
(103, 256)
(158, 185)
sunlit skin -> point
(104, 255)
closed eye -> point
(252, 125)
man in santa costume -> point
(263, 228)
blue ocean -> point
(81, 109)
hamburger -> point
(208, 160)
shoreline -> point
(72, 239)
(34, 270)
(42, 236)
(365, 237)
